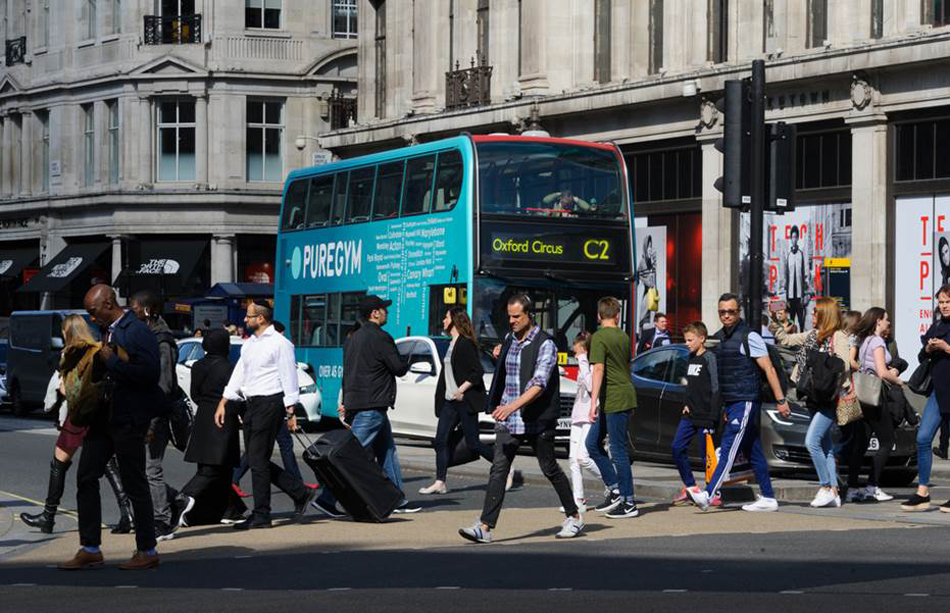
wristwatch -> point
(781, 401)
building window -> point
(877, 18)
(768, 25)
(262, 14)
(934, 12)
(671, 174)
(265, 131)
(91, 18)
(44, 23)
(656, 36)
(817, 23)
(113, 106)
(344, 19)
(718, 38)
(381, 58)
(824, 160)
(43, 120)
(452, 35)
(482, 25)
(922, 150)
(176, 140)
(602, 41)
(89, 143)
(116, 16)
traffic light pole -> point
(757, 206)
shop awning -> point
(14, 260)
(66, 266)
(162, 265)
(242, 290)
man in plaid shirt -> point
(525, 402)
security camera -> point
(300, 142)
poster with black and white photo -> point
(650, 243)
(798, 248)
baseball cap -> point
(371, 302)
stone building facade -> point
(133, 126)
(865, 82)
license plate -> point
(564, 423)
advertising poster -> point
(650, 243)
(922, 266)
(797, 247)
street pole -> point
(757, 205)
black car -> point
(659, 376)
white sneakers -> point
(762, 504)
(571, 527)
(700, 498)
(876, 493)
(476, 534)
(826, 498)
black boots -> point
(57, 483)
(126, 523)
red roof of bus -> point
(563, 141)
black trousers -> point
(877, 420)
(214, 497)
(506, 447)
(453, 414)
(127, 444)
(262, 422)
(796, 312)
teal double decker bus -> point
(463, 221)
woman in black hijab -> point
(215, 450)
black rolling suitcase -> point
(341, 464)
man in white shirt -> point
(266, 377)
(796, 279)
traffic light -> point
(736, 145)
(780, 160)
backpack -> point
(819, 381)
(778, 363)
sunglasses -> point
(723, 312)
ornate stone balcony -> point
(172, 29)
(16, 50)
(468, 87)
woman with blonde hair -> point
(825, 336)
(78, 370)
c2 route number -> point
(597, 249)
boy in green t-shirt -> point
(610, 357)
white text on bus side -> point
(333, 259)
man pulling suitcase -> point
(370, 367)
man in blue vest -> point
(525, 401)
(743, 361)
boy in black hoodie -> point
(702, 408)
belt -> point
(267, 397)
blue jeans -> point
(614, 470)
(685, 433)
(819, 445)
(741, 434)
(372, 429)
(925, 438)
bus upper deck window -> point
(388, 190)
(418, 192)
(448, 180)
(339, 198)
(320, 201)
(295, 205)
(359, 199)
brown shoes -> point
(140, 561)
(83, 559)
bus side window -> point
(295, 205)
(320, 202)
(448, 180)
(339, 198)
(359, 200)
(388, 190)
(418, 193)
(350, 313)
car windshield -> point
(550, 180)
(442, 346)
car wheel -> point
(898, 478)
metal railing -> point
(16, 51)
(172, 29)
(468, 87)
(342, 110)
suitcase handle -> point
(302, 437)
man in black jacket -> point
(120, 430)
(525, 402)
(371, 364)
(657, 336)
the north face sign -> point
(158, 266)
(61, 271)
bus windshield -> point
(549, 179)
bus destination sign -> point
(531, 247)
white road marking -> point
(917, 595)
(448, 587)
(339, 589)
(675, 591)
(791, 592)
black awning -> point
(66, 266)
(163, 265)
(13, 261)
(242, 290)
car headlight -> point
(309, 389)
(793, 417)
